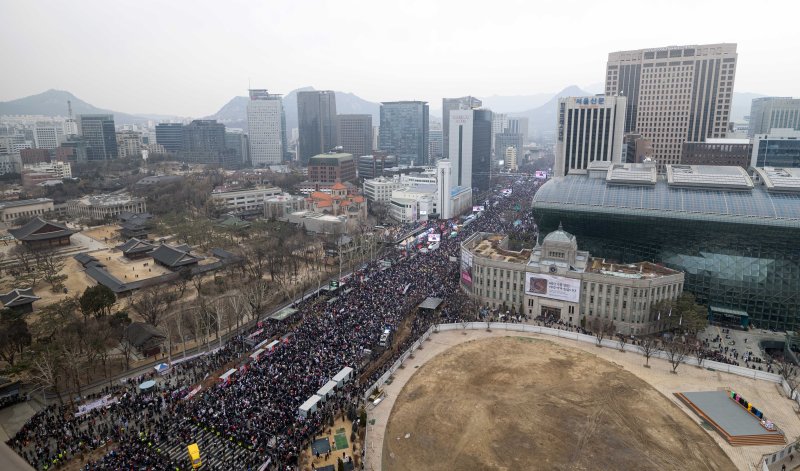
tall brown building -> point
(332, 167)
(675, 94)
(728, 152)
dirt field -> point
(520, 403)
(127, 270)
(107, 233)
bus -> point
(194, 455)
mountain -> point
(514, 103)
(543, 118)
(740, 105)
(54, 103)
(234, 113)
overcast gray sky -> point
(190, 57)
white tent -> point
(310, 406)
(328, 390)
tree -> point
(14, 336)
(153, 303)
(602, 328)
(692, 317)
(256, 293)
(50, 266)
(649, 346)
(660, 312)
(25, 270)
(676, 350)
(97, 301)
(47, 368)
(790, 373)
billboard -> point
(434, 237)
(540, 174)
(466, 268)
(477, 209)
(553, 287)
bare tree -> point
(238, 308)
(153, 303)
(649, 346)
(621, 341)
(676, 350)
(47, 369)
(256, 294)
(790, 373)
(602, 328)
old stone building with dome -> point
(558, 280)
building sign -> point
(434, 237)
(595, 100)
(540, 174)
(553, 287)
(466, 268)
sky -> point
(189, 58)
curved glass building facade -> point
(737, 238)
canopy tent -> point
(161, 368)
(226, 376)
(147, 385)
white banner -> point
(434, 237)
(553, 287)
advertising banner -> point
(553, 287)
(434, 237)
(466, 268)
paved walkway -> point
(767, 396)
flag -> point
(680, 321)
(670, 313)
(659, 316)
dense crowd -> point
(258, 409)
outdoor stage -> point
(736, 425)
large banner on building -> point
(553, 287)
(466, 268)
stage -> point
(736, 425)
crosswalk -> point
(216, 452)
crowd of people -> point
(257, 410)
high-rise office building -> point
(204, 135)
(239, 143)
(170, 135)
(771, 113)
(266, 128)
(404, 131)
(316, 115)
(48, 136)
(448, 105)
(100, 136)
(355, 134)
(444, 186)
(675, 94)
(470, 148)
(505, 140)
(499, 125)
(780, 148)
(519, 125)
(589, 130)
(435, 143)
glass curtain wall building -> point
(735, 236)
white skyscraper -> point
(265, 129)
(48, 136)
(444, 183)
(470, 147)
(590, 129)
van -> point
(194, 455)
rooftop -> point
(642, 174)
(704, 199)
(709, 176)
(491, 247)
(780, 179)
(631, 270)
(16, 203)
(111, 199)
(333, 155)
(726, 140)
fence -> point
(397, 364)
